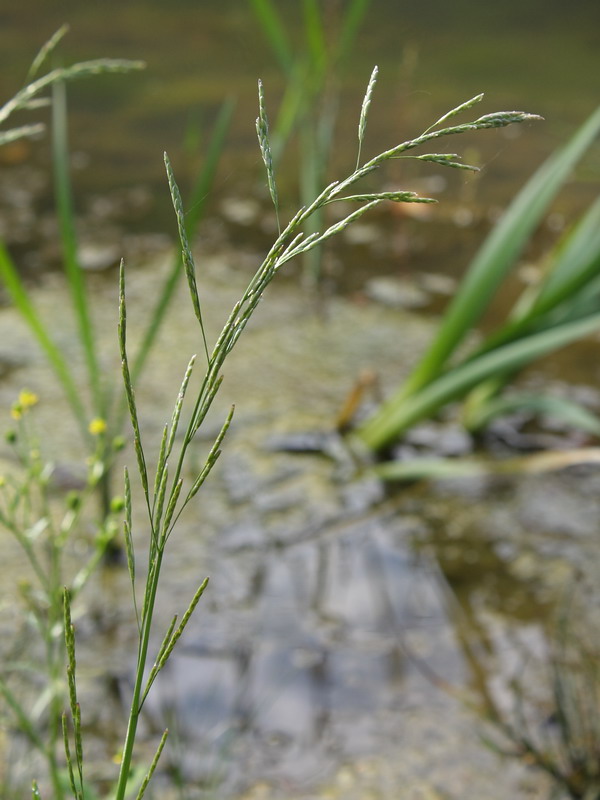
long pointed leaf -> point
(499, 253)
(394, 418)
(59, 364)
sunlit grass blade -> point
(364, 112)
(498, 254)
(60, 366)
(394, 418)
(66, 218)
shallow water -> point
(342, 626)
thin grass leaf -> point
(561, 408)
(130, 394)
(262, 131)
(275, 32)
(35, 791)
(24, 723)
(66, 219)
(153, 766)
(45, 51)
(364, 111)
(20, 297)
(25, 131)
(458, 110)
(188, 258)
(354, 13)
(316, 44)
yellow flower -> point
(16, 411)
(27, 399)
(97, 426)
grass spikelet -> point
(364, 111)
(153, 765)
(137, 439)
(45, 51)
(262, 131)
(184, 621)
(454, 111)
(188, 258)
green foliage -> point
(560, 309)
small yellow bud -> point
(27, 399)
(97, 426)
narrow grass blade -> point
(354, 14)
(499, 253)
(130, 394)
(66, 218)
(22, 302)
(35, 791)
(188, 258)
(561, 408)
(440, 468)
(153, 766)
(262, 131)
(275, 32)
(24, 723)
(314, 33)
(364, 112)
(45, 51)
(395, 418)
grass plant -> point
(560, 309)
(312, 68)
(164, 488)
(102, 400)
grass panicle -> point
(262, 131)
(364, 112)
